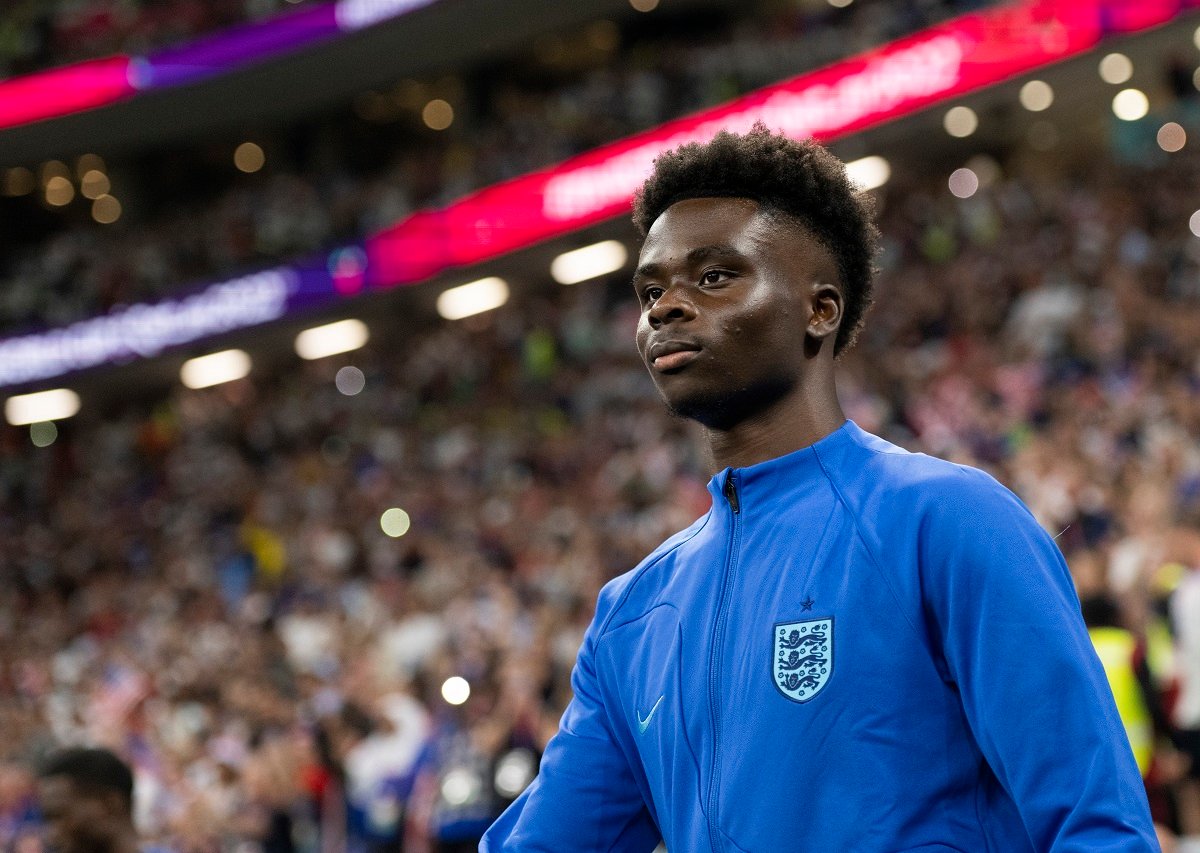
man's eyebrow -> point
(703, 253)
(700, 253)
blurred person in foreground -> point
(86, 800)
(856, 648)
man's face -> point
(76, 821)
(726, 292)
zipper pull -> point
(731, 495)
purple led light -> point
(238, 47)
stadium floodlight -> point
(589, 262)
(331, 339)
(209, 370)
(53, 405)
(869, 173)
(474, 297)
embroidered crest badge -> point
(803, 657)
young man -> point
(86, 800)
(857, 648)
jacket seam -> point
(887, 582)
(633, 582)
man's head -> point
(788, 179)
(86, 798)
(757, 262)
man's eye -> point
(713, 276)
(652, 293)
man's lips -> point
(672, 355)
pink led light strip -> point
(953, 59)
(63, 91)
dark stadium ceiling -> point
(430, 39)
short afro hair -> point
(799, 179)
(92, 771)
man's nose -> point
(673, 306)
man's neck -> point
(793, 424)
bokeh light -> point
(54, 169)
(89, 163)
(1130, 104)
(1036, 95)
(1116, 68)
(1171, 137)
(106, 210)
(350, 381)
(59, 191)
(461, 786)
(437, 114)
(644, 5)
(960, 121)
(19, 181)
(395, 522)
(43, 433)
(456, 690)
(963, 183)
(1194, 223)
(985, 168)
(94, 184)
(514, 771)
(249, 157)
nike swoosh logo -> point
(644, 724)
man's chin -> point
(728, 408)
(714, 412)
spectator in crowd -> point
(86, 799)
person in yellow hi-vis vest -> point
(1123, 657)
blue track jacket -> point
(857, 649)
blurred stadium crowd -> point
(205, 586)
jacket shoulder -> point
(875, 470)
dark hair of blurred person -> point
(86, 799)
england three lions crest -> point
(802, 660)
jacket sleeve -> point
(585, 797)
(998, 595)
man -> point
(857, 648)
(86, 800)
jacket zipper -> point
(714, 664)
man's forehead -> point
(706, 212)
(739, 223)
(695, 222)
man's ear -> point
(827, 307)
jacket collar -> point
(763, 481)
